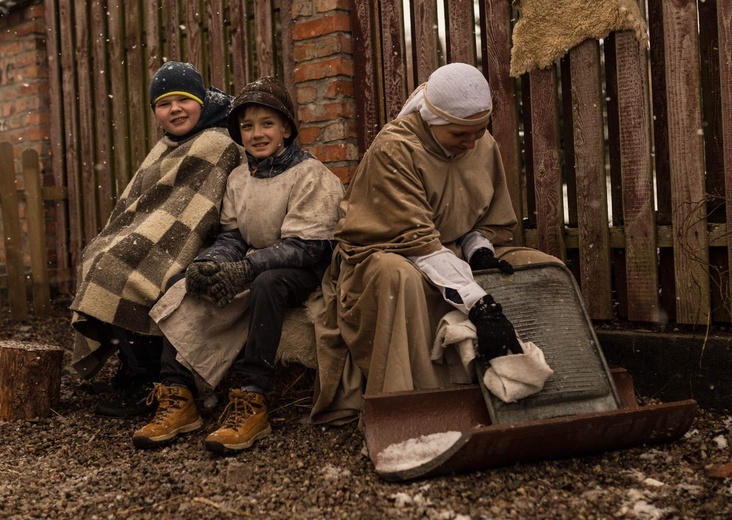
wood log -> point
(30, 379)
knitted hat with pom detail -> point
(269, 92)
(176, 78)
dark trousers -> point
(272, 292)
(139, 354)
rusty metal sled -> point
(584, 407)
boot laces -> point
(167, 403)
(237, 411)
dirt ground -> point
(74, 464)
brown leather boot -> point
(244, 421)
(176, 414)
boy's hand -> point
(496, 335)
(232, 278)
(199, 277)
(484, 258)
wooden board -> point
(546, 163)
(11, 233)
(496, 53)
(686, 145)
(589, 155)
(36, 233)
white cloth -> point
(473, 241)
(451, 94)
(509, 378)
(447, 271)
(516, 376)
(455, 346)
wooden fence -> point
(24, 240)
(619, 159)
(636, 144)
(102, 56)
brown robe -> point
(407, 198)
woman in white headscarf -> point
(428, 202)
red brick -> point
(26, 29)
(313, 112)
(35, 12)
(308, 134)
(301, 8)
(323, 69)
(323, 6)
(339, 88)
(10, 48)
(335, 152)
(328, 45)
(340, 130)
(306, 94)
(320, 26)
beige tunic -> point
(407, 198)
(301, 202)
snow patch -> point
(415, 452)
(721, 442)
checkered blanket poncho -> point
(167, 213)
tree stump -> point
(30, 379)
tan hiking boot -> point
(176, 414)
(245, 421)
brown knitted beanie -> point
(267, 91)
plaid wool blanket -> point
(166, 215)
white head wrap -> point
(453, 93)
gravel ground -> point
(76, 465)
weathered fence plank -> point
(138, 80)
(36, 233)
(366, 89)
(56, 131)
(589, 156)
(103, 143)
(496, 53)
(154, 50)
(546, 163)
(173, 48)
(460, 31)
(395, 80)
(724, 26)
(87, 179)
(424, 39)
(118, 89)
(264, 37)
(636, 168)
(11, 233)
(71, 127)
(193, 31)
(215, 20)
(691, 255)
(240, 35)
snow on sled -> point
(584, 407)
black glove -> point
(231, 279)
(484, 258)
(199, 277)
(496, 335)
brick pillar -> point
(323, 76)
(24, 98)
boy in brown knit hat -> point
(225, 319)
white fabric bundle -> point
(509, 378)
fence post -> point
(36, 233)
(11, 234)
